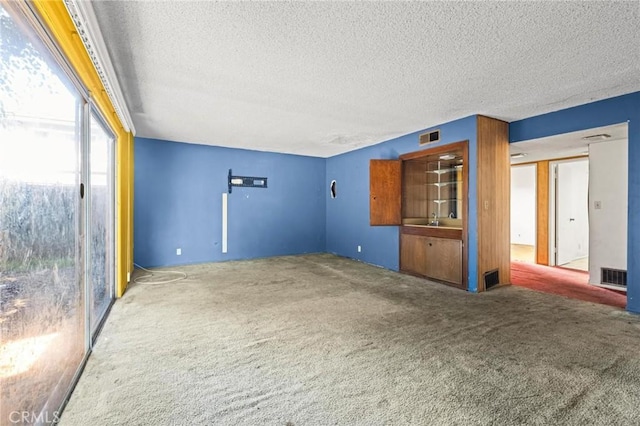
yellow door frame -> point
(56, 17)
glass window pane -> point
(101, 201)
(41, 300)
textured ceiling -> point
(324, 78)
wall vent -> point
(491, 279)
(600, 137)
(614, 277)
(430, 137)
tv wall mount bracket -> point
(246, 181)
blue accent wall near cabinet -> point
(616, 110)
(348, 213)
(178, 204)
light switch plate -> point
(179, 251)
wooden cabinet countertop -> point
(432, 231)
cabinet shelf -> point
(440, 184)
(433, 187)
(443, 171)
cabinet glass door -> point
(433, 190)
(444, 182)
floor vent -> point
(614, 276)
(430, 137)
(491, 279)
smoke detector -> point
(599, 137)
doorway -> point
(523, 213)
(580, 209)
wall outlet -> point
(128, 276)
(359, 249)
(597, 205)
(179, 251)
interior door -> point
(572, 225)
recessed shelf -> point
(439, 184)
(433, 187)
(443, 171)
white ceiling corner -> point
(322, 78)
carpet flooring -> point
(319, 340)
(564, 282)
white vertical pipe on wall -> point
(224, 222)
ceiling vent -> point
(600, 137)
(430, 137)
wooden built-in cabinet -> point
(433, 232)
(427, 193)
(432, 257)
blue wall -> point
(178, 203)
(348, 213)
(597, 114)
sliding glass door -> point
(42, 311)
(101, 200)
(56, 222)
